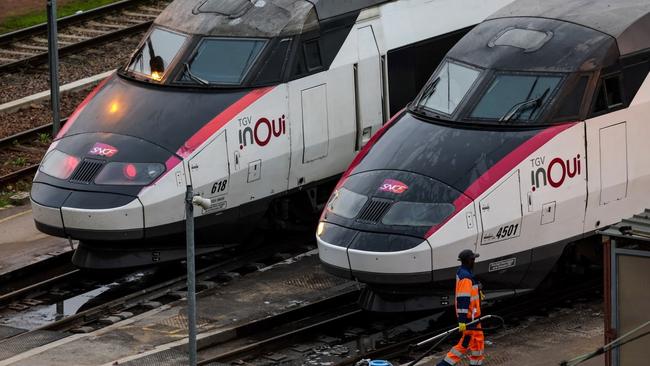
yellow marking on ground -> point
(15, 216)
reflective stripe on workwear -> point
(477, 353)
(476, 362)
(450, 361)
(456, 352)
(468, 300)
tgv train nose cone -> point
(375, 226)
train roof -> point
(255, 18)
(628, 21)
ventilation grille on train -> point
(374, 210)
(86, 171)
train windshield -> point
(515, 98)
(157, 53)
(447, 88)
(224, 61)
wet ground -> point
(562, 334)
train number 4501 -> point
(507, 231)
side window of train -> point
(313, 57)
(309, 57)
(571, 102)
(609, 95)
(273, 68)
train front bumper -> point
(86, 215)
(342, 259)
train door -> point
(368, 86)
(500, 216)
(210, 173)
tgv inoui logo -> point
(555, 173)
(260, 132)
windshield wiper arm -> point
(194, 77)
(428, 91)
(520, 107)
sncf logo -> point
(103, 150)
(393, 186)
(261, 132)
(555, 173)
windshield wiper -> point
(194, 77)
(428, 91)
(516, 109)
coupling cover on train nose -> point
(391, 201)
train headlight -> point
(346, 203)
(320, 229)
(59, 164)
(129, 173)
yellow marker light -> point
(320, 229)
(114, 107)
(156, 75)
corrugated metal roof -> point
(636, 227)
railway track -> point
(167, 286)
(28, 47)
(344, 335)
(22, 137)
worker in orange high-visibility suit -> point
(468, 308)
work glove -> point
(462, 327)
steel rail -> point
(41, 57)
(313, 323)
(28, 135)
(521, 307)
(14, 295)
(65, 21)
(18, 175)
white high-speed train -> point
(532, 134)
(258, 104)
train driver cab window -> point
(447, 88)
(158, 51)
(608, 95)
(515, 97)
(273, 68)
(312, 55)
(223, 61)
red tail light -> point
(130, 171)
(116, 173)
(59, 164)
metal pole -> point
(53, 56)
(191, 289)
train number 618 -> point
(220, 186)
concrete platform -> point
(21, 244)
(545, 341)
(154, 337)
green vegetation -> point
(15, 22)
(44, 138)
(20, 161)
(4, 199)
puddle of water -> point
(40, 315)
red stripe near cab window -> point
(220, 120)
(500, 169)
(364, 151)
(81, 107)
